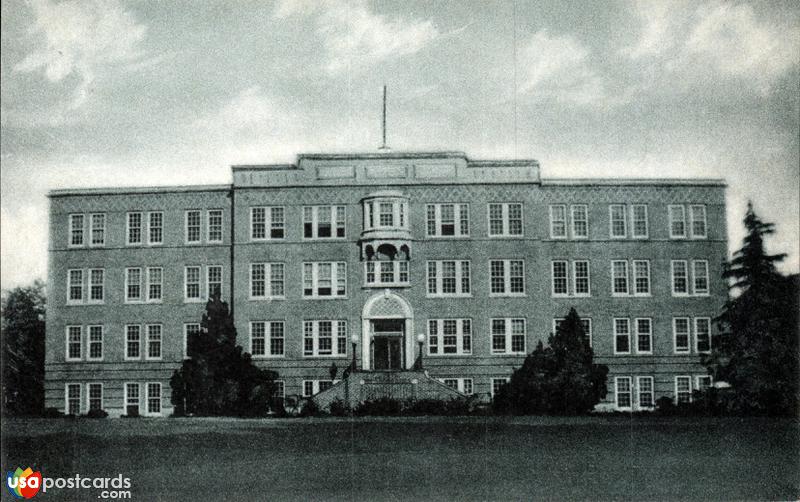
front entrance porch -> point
(387, 333)
(387, 344)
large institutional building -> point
(384, 254)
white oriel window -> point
(644, 336)
(677, 221)
(134, 229)
(324, 222)
(133, 284)
(646, 392)
(76, 223)
(586, 324)
(385, 213)
(324, 279)
(213, 280)
(683, 389)
(680, 278)
(324, 338)
(507, 277)
(94, 392)
(447, 220)
(268, 222)
(508, 336)
(449, 337)
(267, 338)
(155, 228)
(697, 217)
(558, 221)
(155, 284)
(580, 221)
(641, 277)
(267, 280)
(133, 341)
(619, 277)
(153, 341)
(189, 331)
(680, 335)
(623, 392)
(700, 277)
(639, 223)
(702, 335)
(96, 285)
(74, 343)
(74, 286)
(505, 219)
(154, 398)
(94, 350)
(193, 227)
(622, 336)
(191, 282)
(73, 399)
(214, 222)
(448, 278)
(462, 385)
(132, 398)
(97, 229)
(618, 228)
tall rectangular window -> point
(680, 278)
(134, 229)
(133, 284)
(267, 338)
(508, 336)
(324, 338)
(74, 343)
(153, 341)
(580, 221)
(618, 227)
(702, 335)
(680, 334)
(95, 343)
(214, 280)
(74, 286)
(73, 399)
(702, 382)
(622, 336)
(155, 228)
(619, 277)
(324, 222)
(639, 224)
(683, 389)
(646, 391)
(700, 277)
(214, 222)
(190, 332)
(677, 221)
(191, 283)
(507, 277)
(448, 278)
(96, 285)
(560, 281)
(266, 280)
(697, 216)
(76, 222)
(644, 336)
(505, 220)
(133, 341)
(558, 221)
(447, 220)
(324, 279)
(154, 398)
(267, 223)
(449, 337)
(497, 384)
(623, 392)
(94, 393)
(641, 277)
(97, 225)
(155, 284)
(581, 285)
(193, 227)
(385, 214)
(132, 399)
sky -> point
(115, 93)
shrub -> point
(310, 409)
(133, 412)
(339, 408)
(53, 413)
(97, 414)
(384, 406)
(450, 407)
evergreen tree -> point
(559, 379)
(757, 349)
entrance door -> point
(387, 352)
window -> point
(324, 338)
(263, 218)
(154, 398)
(559, 269)
(131, 398)
(462, 385)
(680, 278)
(214, 222)
(97, 229)
(74, 286)
(153, 341)
(619, 277)
(507, 277)
(191, 276)
(618, 227)
(279, 393)
(580, 221)
(677, 222)
(623, 392)
(324, 279)
(214, 280)
(702, 382)
(639, 226)
(505, 220)
(697, 216)
(622, 336)
(96, 285)
(447, 220)
(448, 278)
(683, 389)
(508, 336)
(133, 341)
(266, 280)
(646, 391)
(385, 273)
(74, 343)
(449, 337)
(76, 229)
(644, 336)
(155, 280)
(155, 228)
(641, 277)
(133, 285)
(266, 338)
(700, 277)
(95, 343)
(680, 334)
(580, 278)
(312, 387)
(94, 392)
(192, 227)
(134, 229)
(324, 222)
(702, 335)
(558, 221)
(385, 214)
(497, 383)
(73, 399)
(586, 323)
(189, 332)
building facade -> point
(474, 262)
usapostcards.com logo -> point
(24, 484)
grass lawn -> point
(470, 458)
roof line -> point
(634, 181)
(65, 192)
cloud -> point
(355, 37)
(84, 39)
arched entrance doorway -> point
(387, 325)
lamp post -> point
(420, 341)
(354, 341)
